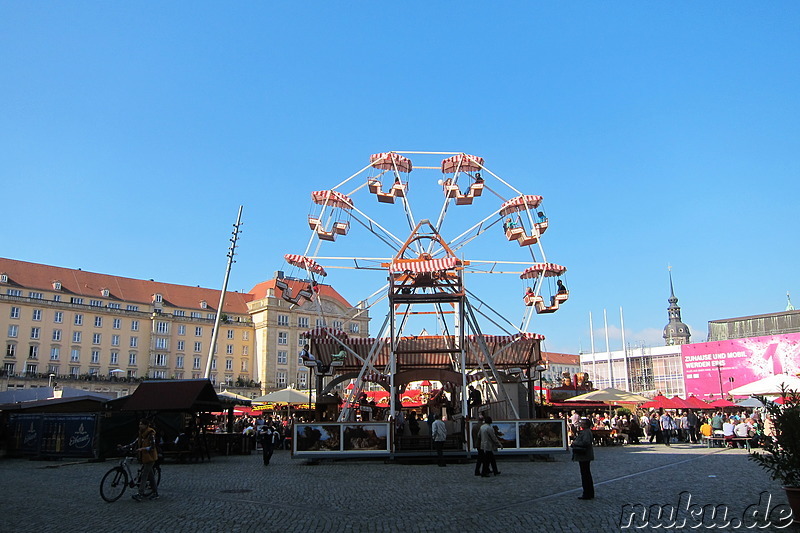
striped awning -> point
(390, 161)
(305, 262)
(324, 332)
(332, 198)
(432, 351)
(462, 163)
(549, 269)
(520, 203)
(430, 265)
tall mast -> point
(231, 253)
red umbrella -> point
(660, 402)
(426, 383)
(696, 403)
(680, 402)
(781, 399)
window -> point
(282, 357)
(36, 295)
(134, 342)
(9, 368)
(74, 370)
(245, 335)
(134, 325)
(3, 278)
(181, 346)
(78, 319)
(113, 306)
(162, 327)
(230, 333)
(93, 371)
(33, 352)
(302, 379)
(301, 341)
(15, 312)
(114, 358)
(302, 322)
(14, 292)
(280, 378)
(132, 359)
(75, 355)
(196, 364)
(52, 369)
(244, 365)
(229, 349)
(214, 364)
(160, 374)
(11, 350)
(55, 353)
(31, 368)
(178, 312)
(161, 359)
(56, 335)
(353, 327)
(116, 324)
(162, 343)
(35, 332)
(76, 336)
(179, 361)
(98, 322)
(59, 317)
(132, 373)
(181, 330)
(95, 356)
(337, 324)
(96, 338)
(198, 346)
(13, 330)
(320, 322)
(228, 364)
(283, 320)
(196, 314)
(131, 307)
(198, 331)
(114, 340)
(157, 298)
(245, 350)
(96, 303)
(283, 338)
(211, 316)
(76, 300)
(56, 297)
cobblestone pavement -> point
(239, 494)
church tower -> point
(675, 332)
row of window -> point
(73, 300)
(302, 379)
(303, 322)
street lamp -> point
(540, 368)
(50, 381)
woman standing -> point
(583, 453)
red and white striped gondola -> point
(332, 217)
(389, 161)
(467, 164)
(515, 226)
(533, 296)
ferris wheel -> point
(426, 260)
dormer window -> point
(56, 285)
(104, 292)
(157, 298)
(203, 304)
(3, 278)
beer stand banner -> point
(54, 435)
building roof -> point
(85, 284)
(751, 317)
(562, 358)
(189, 395)
(260, 291)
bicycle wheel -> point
(113, 484)
(148, 490)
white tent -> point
(770, 385)
(288, 395)
(609, 395)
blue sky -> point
(658, 134)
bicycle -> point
(119, 478)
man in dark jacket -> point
(583, 453)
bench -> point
(721, 440)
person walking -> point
(488, 442)
(583, 453)
(439, 436)
(476, 442)
(268, 436)
(667, 427)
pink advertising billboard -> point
(705, 364)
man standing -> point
(583, 453)
(667, 427)
(267, 438)
(474, 401)
(488, 442)
(692, 422)
(439, 435)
